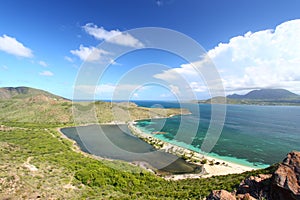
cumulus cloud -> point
(198, 87)
(12, 46)
(175, 89)
(46, 73)
(187, 71)
(189, 77)
(263, 59)
(43, 63)
(89, 54)
(113, 36)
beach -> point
(211, 166)
(115, 142)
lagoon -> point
(117, 142)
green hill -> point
(23, 104)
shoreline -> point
(212, 166)
(77, 148)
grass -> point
(63, 112)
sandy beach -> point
(211, 165)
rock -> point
(286, 179)
(221, 195)
(246, 196)
(255, 186)
(283, 184)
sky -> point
(103, 49)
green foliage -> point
(44, 110)
(101, 178)
(33, 117)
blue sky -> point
(253, 44)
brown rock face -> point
(255, 186)
(284, 184)
(286, 179)
(220, 195)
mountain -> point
(27, 92)
(267, 94)
(258, 97)
(25, 104)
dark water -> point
(116, 142)
(252, 135)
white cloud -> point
(175, 89)
(264, 59)
(67, 58)
(89, 54)
(113, 36)
(187, 71)
(198, 87)
(12, 46)
(46, 73)
(43, 63)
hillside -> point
(31, 105)
(26, 92)
(38, 163)
(259, 97)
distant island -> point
(258, 97)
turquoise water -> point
(255, 136)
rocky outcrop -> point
(286, 179)
(221, 195)
(254, 187)
(283, 184)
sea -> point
(252, 135)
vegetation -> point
(33, 106)
(64, 173)
(36, 161)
